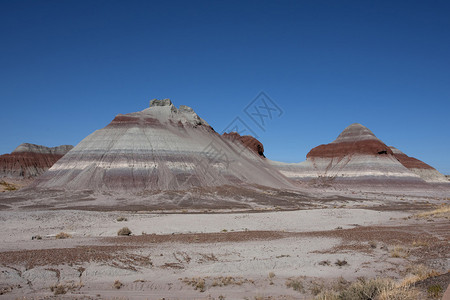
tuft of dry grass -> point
(365, 289)
(271, 276)
(417, 273)
(296, 284)
(325, 263)
(58, 289)
(8, 186)
(316, 287)
(420, 243)
(340, 284)
(197, 282)
(229, 280)
(341, 263)
(376, 288)
(399, 251)
(380, 288)
(124, 231)
(62, 235)
(435, 291)
(61, 289)
(117, 284)
(327, 295)
(396, 292)
(441, 212)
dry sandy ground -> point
(214, 255)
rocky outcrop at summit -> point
(247, 140)
(30, 160)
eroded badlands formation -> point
(357, 155)
(29, 160)
(160, 148)
(425, 171)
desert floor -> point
(271, 254)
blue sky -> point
(68, 67)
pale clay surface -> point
(248, 260)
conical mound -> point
(355, 133)
(355, 139)
(30, 160)
(357, 155)
(159, 148)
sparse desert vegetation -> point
(58, 289)
(358, 252)
(271, 276)
(341, 262)
(435, 291)
(197, 282)
(117, 284)
(296, 284)
(64, 288)
(381, 288)
(124, 231)
(363, 289)
(399, 251)
(203, 283)
(441, 212)
(63, 235)
(8, 186)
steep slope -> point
(159, 148)
(29, 160)
(356, 155)
(425, 171)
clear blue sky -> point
(68, 67)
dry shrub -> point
(197, 282)
(117, 284)
(399, 251)
(124, 231)
(376, 288)
(316, 288)
(417, 273)
(340, 284)
(441, 212)
(229, 280)
(296, 284)
(341, 263)
(325, 263)
(62, 235)
(397, 292)
(58, 289)
(327, 295)
(271, 276)
(366, 289)
(435, 291)
(8, 186)
(420, 243)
